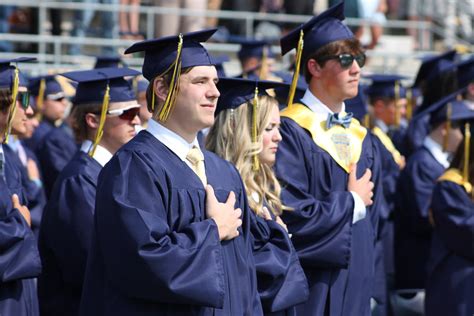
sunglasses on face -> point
(126, 115)
(346, 60)
(24, 99)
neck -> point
(437, 136)
(181, 130)
(333, 103)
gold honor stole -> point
(387, 142)
(454, 175)
(344, 145)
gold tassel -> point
(40, 100)
(103, 116)
(397, 106)
(467, 148)
(256, 164)
(12, 109)
(448, 126)
(366, 120)
(296, 74)
(172, 92)
(409, 104)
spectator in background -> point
(213, 5)
(82, 22)
(172, 24)
(372, 11)
(5, 12)
(238, 27)
(129, 20)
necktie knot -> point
(196, 158)
(338, 119)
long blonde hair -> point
(230, 138)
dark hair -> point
(434, 90)
(167, 79)
(78, 119)
(350, 46)
(5, 99)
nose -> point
(277, 136)
(29, 110)
(213, 92)
(136, 120)
(355, 68)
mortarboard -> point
(466, 72)
(321, 30)
(108, 62)
(433, 66)
(172, 53)
(11, 78)
(253, 48)
(103, 85)
(235, 92)
(46, 86)
(218, 62)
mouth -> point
(209, 106)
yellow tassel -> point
(448, 126)
(40, 99)
(397, 106)
(12, 109)
(366, 120)
(103, 116)
(172, 92)
(263, 67)
(294, 82)
(256, 164)
(409, 104)
(467, 148)
(153, 101)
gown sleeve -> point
(144, 257)
(320, 228)
(453, 213)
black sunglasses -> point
(346, 60)
(24, 99)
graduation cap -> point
(235, 92)
(11, 78)
(108, 62)
(172, 53)
(253, 48)
(105, 85)
(433, 66)
(387, 86)
(466, 72)
(45, 87)
(282, 93)
(358, 106)
(321, 30)
(219, 61)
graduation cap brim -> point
(384, 85)
(159, 43)
(218, 60)
(290, 41)
(429, 62)
(440, 104)
(100, 74)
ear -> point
(314, 68)
(92, 120)
(161, 89)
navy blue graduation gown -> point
(153, 250)
(336, 255)
(412, 227)
(65, 236)
(450, 282)
(280, 278)
(418, 129)
(35, 197)
(19, 257)
(35, 142)
(55, 152)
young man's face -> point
(21, 117)
(341, 83)
(54, 110)
(387, 110)
(196, 100)
(119, 129)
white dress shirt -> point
(101, 155)
(437, 151)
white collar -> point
(470, 104)
(381, 124)
(170, 139)
(437, 151)
(101, 155)
(318, 107)
(13, 143)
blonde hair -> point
(230, 138)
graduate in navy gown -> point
(50, 102)
(246, 133)
(67, 225)
(450, 281)
(164, 242)
(325, 164)
(256, 59)
(413, 229)
(19, 258)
